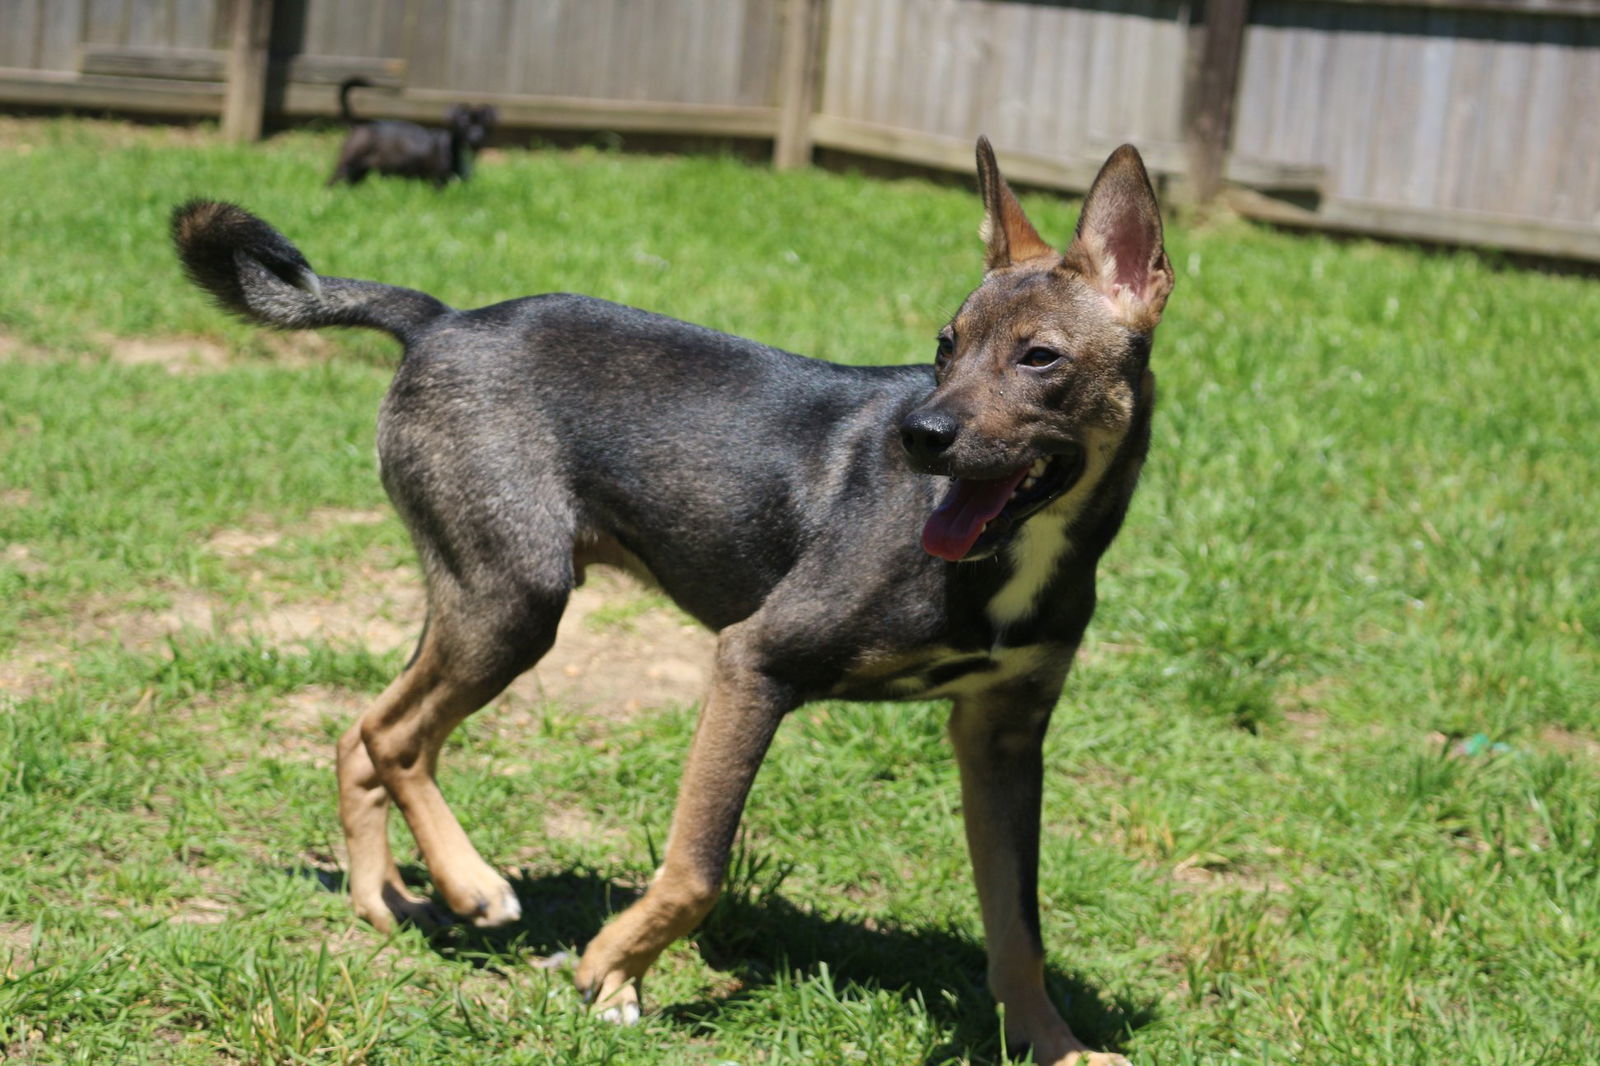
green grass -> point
(1366, 535)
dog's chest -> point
(1043, 544)
(941, 672)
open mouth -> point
(977, 515)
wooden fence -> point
(1474, 121)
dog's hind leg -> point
(473, 647)
(376, 888)
(741, 715)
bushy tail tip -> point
(210, 235)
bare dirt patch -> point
(16, 941)
(175, 355)
(618, 649)
(201, 355)
(299, 348)
(1568, 742)
(14, 351)
(25, 671)
(1306, 726)
(1195, 871)
(657, 657)
(241, 543)
(181, 355)
(300, 724)
(20, 558)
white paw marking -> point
(622, 1014)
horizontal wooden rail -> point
(158, 96)
(316, 97)
(550, 112)
(1474, 228)
(210, 64)
(946, 153)
(1573, 8)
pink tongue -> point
(955, 526)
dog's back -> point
(395, 147)
(745, 458)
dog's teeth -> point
(1029, 481)
(1038, 468)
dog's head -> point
(1041, 371)
(472, 124)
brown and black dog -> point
(876, 533)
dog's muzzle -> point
(977, 515)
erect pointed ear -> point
(1009, 235)
(1117, 247)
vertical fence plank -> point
(1578, 177)
(1211, 96)
(797, 82)
(758, 52)
(20, 19)
(148, 23)
(1551, 128)
(58, 37)
(244, 97)
(1458, 170)
(192, 23)
(1358, 73)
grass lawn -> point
(1323, 787)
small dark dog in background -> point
(408, 150)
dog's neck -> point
(1068, 527)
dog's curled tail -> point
(254, 271)
(344, 97)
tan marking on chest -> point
(1009, 664)
(907, 676)
(1041, 545)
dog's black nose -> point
(927, 434)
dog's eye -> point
(1039, 358)
(947, 348)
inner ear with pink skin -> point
(1117, 247)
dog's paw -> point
(503, 909)
(396, 907)
(1081, 1056)
(481, 897)
(619, 1007)
(621, 1014)
(1058, 1047)
(614, 995)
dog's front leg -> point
(741, 715)
(998, 739)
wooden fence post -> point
(798, 67)
(245, 89)
(1211, 93)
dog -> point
(408, 150)
(872, 533)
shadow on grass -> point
(754, 936)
